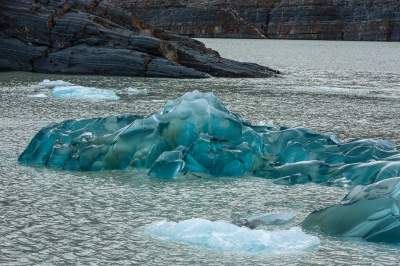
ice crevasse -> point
(195, 133)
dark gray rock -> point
(374, 20)
(95, 37)
(160, 67)
(83, 59)
(17, 55)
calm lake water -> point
(55, 217)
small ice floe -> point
(135, 91)
(50, 84)
(259, 219)
(85, 93)
(39, 95)
(66, 90)
(224, 236)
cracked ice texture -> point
(195, 133)
(370, 212)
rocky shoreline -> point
(96, 37)
(355, 20)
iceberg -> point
(83, 93)
(223, 236)
(66, 90)
(259, 219)
(195, 133)
(369, 212)
(49, 84)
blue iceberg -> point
(223, 236)
(195, 133)
(83, 93)
(66, 90)
(369, 212)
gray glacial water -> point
(56, 217)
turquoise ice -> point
(195, 133)
(369, 212)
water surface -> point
(56, 217)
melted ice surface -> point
(223, 236)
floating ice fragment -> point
(369, 212)
(66, 90)
(195, 133)
(275, 218)
(46, 83)
(85, 93)
(135, 91)
(223, 236)
(38, 95)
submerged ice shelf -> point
(223, 236)
(195, 133)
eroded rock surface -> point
(95, 37)
(280, 19)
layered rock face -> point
(95, 37)
(279, 19)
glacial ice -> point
(259, 219)
(49, 84)
(369, 212)
(66, 90)
(85, 93)
(195, 133)
(223, 236)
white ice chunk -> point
(83, 93)
(67, 90)
(53, 83)
(224, 236)
(135, 91)
(38, 95)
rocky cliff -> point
(95, 37)
(278, 19)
